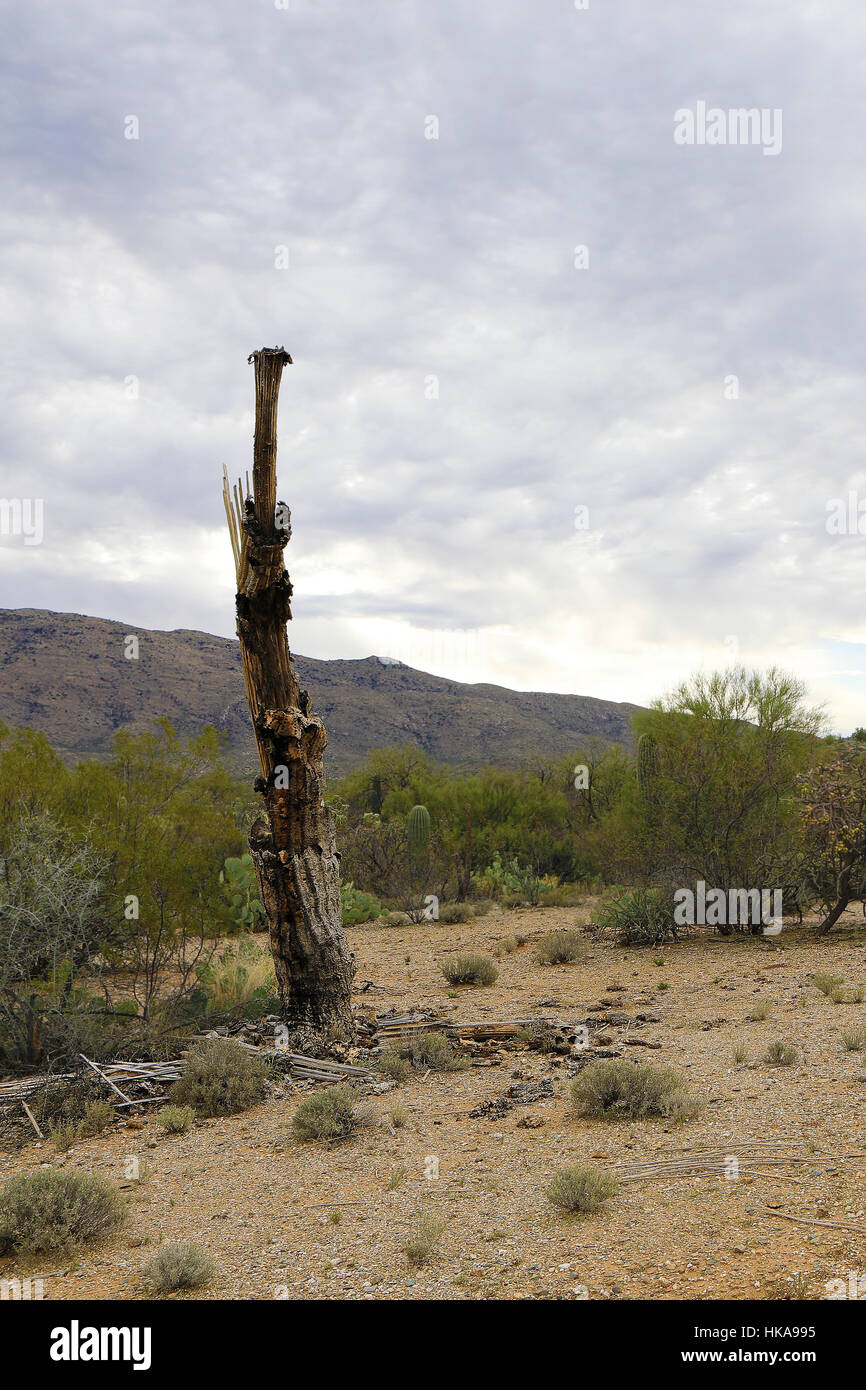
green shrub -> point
(178, 1267)
(421, 1246)
(393, 1065)
(54, 1209)
(176, 1119)
(561, 948)
(469, 968)
(782, 1054)
(456, 912)
(218, 1077)
(433, 1052)
(638, 917)
(357, 906)
(329, 1116)
(581, 1188)
(614, 1089)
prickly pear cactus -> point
(242, 894)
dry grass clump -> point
(782, 1054)
(53, 1209)
(581, 1188)
(469, 968)
(398, 1114)
(220, 1078)
(433, 1051)
(614, 1090)
(760, 1011)
(396, 919)
(481, 907)
(176, 1119)
(854, 1039)
(833, 987)
(98, 1115)
(421, 1246)
(561, 948)
(330, 1116)
(509, 944)
(456, 912)
(236, 972)
(178, 1267)
(394, 1065)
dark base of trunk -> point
(833, 916)
(313, 964)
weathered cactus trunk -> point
(292, 846)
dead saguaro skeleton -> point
(292, 846)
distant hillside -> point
(67, 675)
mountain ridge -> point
(66, 674)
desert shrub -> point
(561, 948)
(481, 907)
(236, 974)
(393, 1065)
(854, 1039)
(559, 895)
(357, 906)
(741, 1052)
(178, 1267)
(219, 1078)
(581, 1188)
(469, 968)
(455, 912)
(614, 1089)
(176, 1119)
(329, 1116)
(397, 919)
(434, 1051)
(52, 1209)
(759, 1011)
(421, 1245)
(782, 1054)
(638, 917)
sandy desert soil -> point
(264, 1204)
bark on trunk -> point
(833, 916)
(293, 846)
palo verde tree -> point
(833, 814)
(292, 845)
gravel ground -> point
(266, 1207)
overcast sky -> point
(465, 377)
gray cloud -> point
(442, 529)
